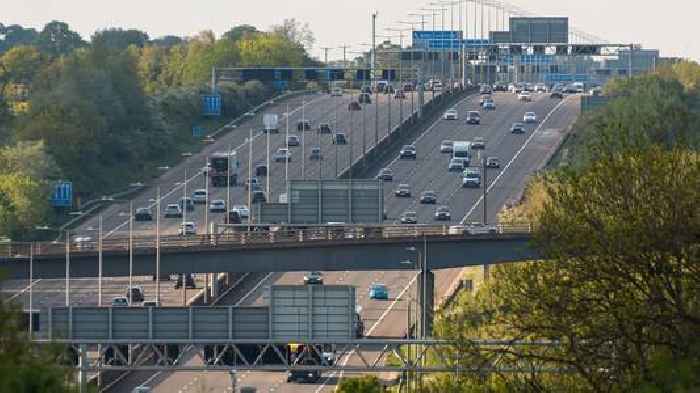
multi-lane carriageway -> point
(318, 108)
(520, 156)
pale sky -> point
(670, 26)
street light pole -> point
(31, 292)
(99, 257)
(131, 247)
(158, 245)
(286, 160)
(67, 268)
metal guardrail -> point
(252, 235)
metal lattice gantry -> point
(353, 356)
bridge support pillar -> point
(214, 285)
(426, 300)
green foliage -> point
(25, 367)
(15, 35)
(57, 39)
(364, 384)
(119, 39)
(239, 32)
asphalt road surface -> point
(520, 155)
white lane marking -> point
(235, 284)
(25, 289)
(440, 119)
(284, 115)
(369, 332)
(515, 157)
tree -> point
(19, 65)
(119, 39)
(240, 32)
(296, 32)
(167, 41)
(25, 367)
(364, 384)
(58, 39)
(270, 49)
(15, 35)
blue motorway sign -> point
(62, 195)
(211, 105)
(438, 39)
(197, 131)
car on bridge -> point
(241, 210)
(442, 213)
(530, 117)
(517, 128)
(446, 147)
(258, 196)
(386, 174)
(143, 214)
(557, 95)
(187, 228)
(473, 117)
(404, 190)
(479, 143)
(428, 197)
(313, 278)
(136, 292)
(282, 154)
(485, 90)
(304, 125)
(324, 128)
(500, 87)
(217, 206)
(409, 217)
(540, 88)
(378, 291)
(451, 114)
(172, 211)
(260, 169)
(408, 152)
(489, 105)
(120, 301)
(189, 281)
(477, 228)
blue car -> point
(378, 291)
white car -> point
(242, 210)
(446, 147)
(187, 228)
(217, 206)
(524, 96)
(337, 92)
(530, 117)
(199, 196)
(451, 114)
(478, 143)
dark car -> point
(260, 169)
(408, 87)
(324, 128)
(354, 106)
(408, 151)
(365, 98)
(292, 140)
(136, 293)
(304, 376)
(189, 281)
(315, 154)
(428, 197)
(313, 278)
(143, 214)
(473, 117)
(186, 203)
(259, 196)
(339, 139)
(517, 128)
(386, 174)
(557, 94)
(304, 125)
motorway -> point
(520, 155)
(316, 107)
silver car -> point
(446, 147)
